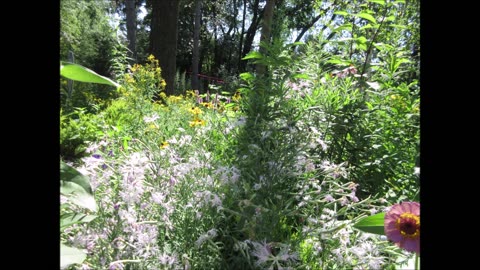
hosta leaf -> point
(82, 74)
(70, 255)
(70, 174)
(77, 195)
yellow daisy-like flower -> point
(197, 122)
(164, 145)
(207, 105)
(151, 57)
(195, 110)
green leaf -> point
(73, 218)
(372, 224)
(347, 27)
(368, 26)
(77, 195)
(366, 16)
(301, 76)
(338, 62)
(362, 47)
(341, 12)
(253, 55)
(82, 74)
(70, 174)
(361, 40)
(69, 255)
(380, 2)
(246, 76)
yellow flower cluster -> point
(197, 122)
(208, 105)
(195, 111)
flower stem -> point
(417, 266)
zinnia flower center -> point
(409, 225)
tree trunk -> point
(252, 30)
(196, 48)
(265, 34)
(131, 15)
(241, 35)
(163, 38)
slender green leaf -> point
(366, 16)
(70, 174)
(368, 26)
(347, 27)
(341, 12)
(82, 74)
(70, 255)
(372, 224)
(338, 61)
(253, 55)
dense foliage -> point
(266, 171)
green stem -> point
(417, 266)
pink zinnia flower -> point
(402, 225)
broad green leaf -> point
(381, 2)
(366, 16)
(372, 224)
(253, 55)
(246, 76)
(70, 174)
(361, 40)
(341, 12)
(362, 47)
(390, 18)
(70, 255)
(73, 218)
(76, 194)
(82, 74)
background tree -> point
(196, 37)
(131, 14)
(163, 38)
(266, 33)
